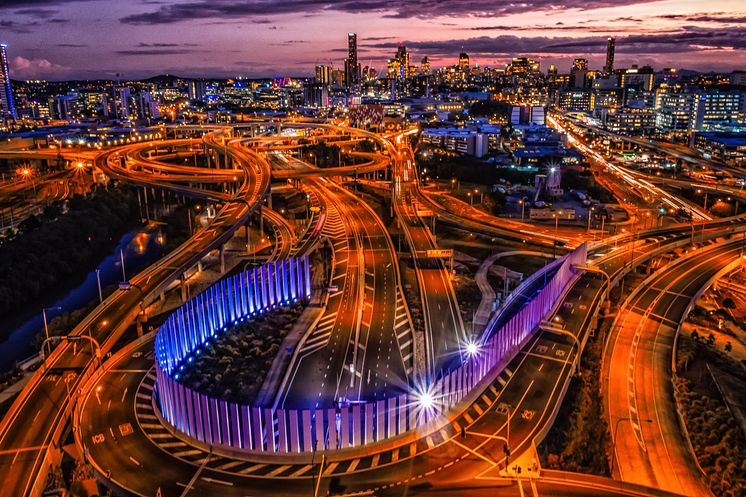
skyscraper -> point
(578, 73)
(610, 46)
(463, 61)
(352, 69)
(425, 66)
(324, 74)
(7, 108)
(580, 64)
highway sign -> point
(439, 253)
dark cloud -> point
(154, 52)
(423, 9)
(36, 12)
(716, 17)
(554, 27)
(686, 40)
(14, 4)
(165, 45)
(17, 27)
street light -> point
(613, 440)
(26, 172)
(98, 280)
(44, 316)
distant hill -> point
(164, 79)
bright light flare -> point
(426, 400)
(472, 349)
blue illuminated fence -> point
(262, 429)
(226, 304)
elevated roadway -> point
(650, 447)
(29, 441)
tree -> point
(728, 347)
(728, 303)
(710, 339)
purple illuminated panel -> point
(216, 422)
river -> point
(140, 248)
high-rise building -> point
(147, 107)
(738, 78)
(352, 68)
(7, 107)
(580, 64)
(578, 73)
(640, 78)
(463, 61)
(522, 65)
(119, 104)
(324, 74)
(197, 90)
(675, 111)
(610, 48)
(398, 67)
(577, 100)
(425, 65)
(316, 94)
(718, 108)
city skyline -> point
(56, 40)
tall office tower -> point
(425, 66)
(463, 61)
(580, 64)
(610, 46)
(578, 73)
(197, 90)
(324, 74)
(7, 108)
(403, 57)
(352, 68)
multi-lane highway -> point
(362, 346)
(650, 447)
(445, 335)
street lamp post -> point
(613, 440)
(98, 280)
(44, 317)
(121, 259)
(507, 437)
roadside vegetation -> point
(53, 248)
(579, 439)
(708, 388)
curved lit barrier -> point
(218, 422)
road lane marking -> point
(214, 480)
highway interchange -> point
(364, 342)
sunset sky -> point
(141, 38)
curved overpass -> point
(26, 448)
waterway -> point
(139, 248)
